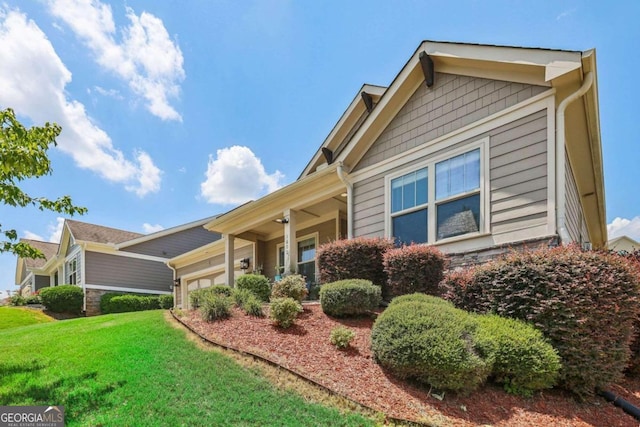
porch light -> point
(282, 220)
(176, 282)
(244, 263)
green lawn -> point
(13, 317)
(135, 369)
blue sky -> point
(177, 110)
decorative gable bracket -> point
(427, 68)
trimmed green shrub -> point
(256, 283)
(214, 306)
(283, 311)
(253, 306)
(17, 300)
(350, 297)
(414, 268)
(33, 299)
(432, 343)
(165, 301)
(418, 297)
(124, 303)
(292, 286)
(341, 336)
(522, 359)
(585, 303)
(359, 258)
(63, 299)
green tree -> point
(23, 155)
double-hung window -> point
(437, 201)
(409, 207)
(458, 195)
(72, 271)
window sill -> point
(463, 237)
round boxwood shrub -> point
(341, 336)
(414, 268)
(292, 286)
(584, 303)
(522, 359)
(283, 311)
(432, 343)
(63, 299)
(349, 297)
(256, 283)
(418, 297)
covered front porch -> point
(287, 226)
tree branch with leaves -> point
(23, 155)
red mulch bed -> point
(305, 349)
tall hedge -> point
(63, 298)
(359, 258)
(414, 268)
(585, 303)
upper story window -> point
(437, 201)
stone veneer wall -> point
(468, 259)
(93, 301)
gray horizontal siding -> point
(244, 252)
(41, 282)
(453, 102)
(112, 270)
(518, 179)
(175, 244)
(573, 209)
(518, 174)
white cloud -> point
(33, 80)
(33, 236)
(149, 228)
(624, 227)
(112, 93)
(236, 176)
(145, 57)
(565, 14)
(55, 232)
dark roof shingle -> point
(98, 233)
(48, 249)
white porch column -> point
(229, 255)
(184, 294)
(290, 242)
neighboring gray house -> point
(103, 259)
(29, 274)
(472, 148)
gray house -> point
(102, 259)
(471, 148)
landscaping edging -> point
(299, 375)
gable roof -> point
(48, 249)
(623, 240)
(561, 70)
(99, 234)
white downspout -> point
(560, 157)
(174, 287)
(349, 186)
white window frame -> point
(315, 236)
(74, 256)
(432, 204)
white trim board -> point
(123, 289)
